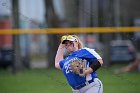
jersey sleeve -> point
(61, 63)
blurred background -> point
(30, 32)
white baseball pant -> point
(94, 87)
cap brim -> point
(63, 42)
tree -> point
(52, 22)
(16, 44)
(107, 19)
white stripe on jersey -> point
(93, 52)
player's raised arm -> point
(59, 55)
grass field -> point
(52, 81)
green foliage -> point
(53, 81)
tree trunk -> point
(16, 44)
(107, 12)
(52, 22)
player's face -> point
(71, 46)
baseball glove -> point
(78, 66)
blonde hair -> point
(80, 44)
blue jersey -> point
(85, 53)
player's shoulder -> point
(87, 49)
(81, 50)
(84, 50)
(93, 52)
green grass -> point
(53, 81)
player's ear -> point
(76, 42)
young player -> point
(88, 82)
